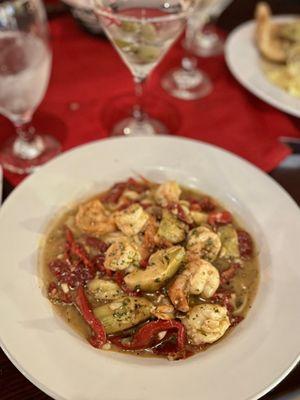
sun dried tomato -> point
(245, 244)
(71, 274)
(229, 273)
(96, 243)
(57, 295)
(113, 195)
(99, 266)
(76, 249)
(219, 218)
(205, 204)
(224, 299)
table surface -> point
(14, 386)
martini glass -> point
(142, 31)
(188, 82)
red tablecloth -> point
(87, 73)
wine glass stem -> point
(25, 131)
(138, 112)
(194, 24)
(27, 145)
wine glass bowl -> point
(25, 65)
(207, 41)
(142, 32)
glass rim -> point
(168, 17)
(10, 2)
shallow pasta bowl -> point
(247, 363)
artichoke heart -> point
(171, 229)
(229, 240)
(102, 289)
(162, 266)
(123, 313)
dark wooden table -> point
(14, 386)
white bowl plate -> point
(243, 60)
(256, 355)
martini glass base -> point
(187, 85)
(50, 147)
(159, 116)
(146, 127)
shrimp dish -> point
(149, 269)
(279, 46)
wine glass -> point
(207, 41)
(142, 31)
(25, 63)
(188, 82)
(83, 13)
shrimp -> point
(204, 242)
(164, 310)
(206, 323)
(131, 220)
(268, 42)
(148, 243)
(167, 193)
(121, 255)
(92, 218)
(198, 278)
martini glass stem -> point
(138, 112)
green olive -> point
(125, 45)
(147, 54)
(148, 32)
(129, 26)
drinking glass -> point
(188, 82)
(208, 41)
(25, 63)
(142, 31)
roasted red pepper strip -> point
(99, 335)
(145, 337)
(144, 263)
(118, 277)
(219, 218)
(78, 250)
(178, 211)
